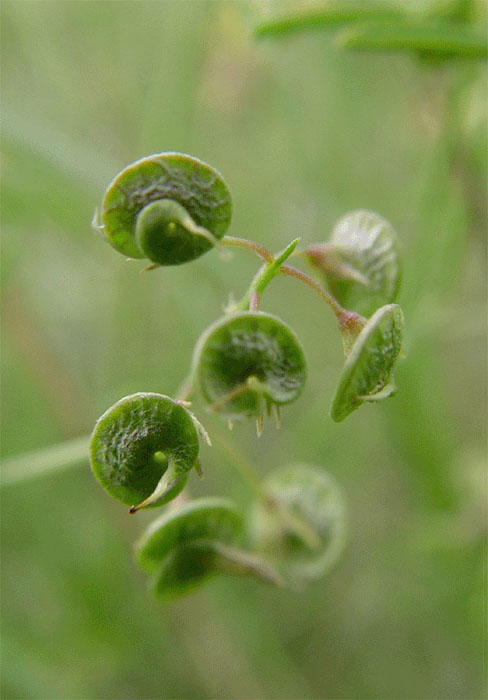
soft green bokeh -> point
(302, 133)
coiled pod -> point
(361, 262)
(246, 361)
(168, 207)
(189, 545)
(300, 523)
(367, 372)
(142, 449)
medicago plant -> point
(169, 209)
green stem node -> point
(263, 277)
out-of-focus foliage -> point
(436, 30)
(302, 133)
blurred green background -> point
(302, 133)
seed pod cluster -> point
(171, 208)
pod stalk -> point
(237, 562)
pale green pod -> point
(248, 360)
(361, 262)
(300, 523)
(367, 372)
(142, 449)
(168, 207)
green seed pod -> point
(300, 523)
(168, 207)
(184, 569)
(142, 449)
(361, 262)
(247, 360)
(187, 546)
(367, 372)
(201, 519)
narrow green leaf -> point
(441, 40)
(332, 14)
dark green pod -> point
(367, 372)
(142, 449)
(168, 207)
(185, 568)
(189, 545)
(202, 519)
(300, 523)
(248, 360)
(361, 263)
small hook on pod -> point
(142, 449)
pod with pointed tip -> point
(361, 262)
(367, 372)
(168, 207)
(246, 361)
(195, 542)
(142, 449)
(300, 524)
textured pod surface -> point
(134, 442)
(301, 524)
(184, 179)
(202, 519)
(368, 244)
(245, 359)
(367, 370)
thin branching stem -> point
(303, 277)
(263, 253)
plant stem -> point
(264, 275)
(186, 390)
(239, 462)
(350, 322)
(262, 252)
(328, 298)
(45, 461)
(274, 266)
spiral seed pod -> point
(187, 546)
(367, 373)
(361, 263)
(246, 361)
(142, 449)
(168, 207)
(300, 523)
